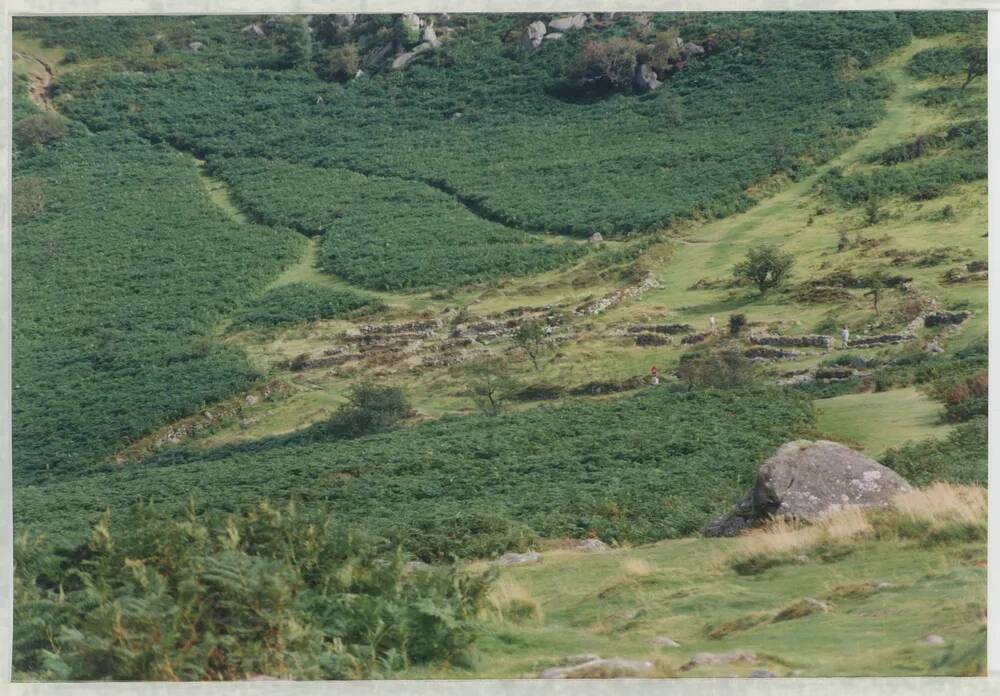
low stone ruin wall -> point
(652, 339)
(808, 341)
(943, 318)
(670, 329)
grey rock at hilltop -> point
(598, 667)
(806, 480)
(595, 238)
(533, 36)
(196, 46)
(519, 558)
(645, 78)
(563, 24)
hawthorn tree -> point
(765, 266)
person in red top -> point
(654, 377)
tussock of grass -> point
(939, 513)
(742, 623)
(512, 602)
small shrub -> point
(725, 368)
(340, 64)
(736, 324)
(612, 61)
(370, 408)
(39, 129)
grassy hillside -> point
(885, 589)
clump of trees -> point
(765, 266)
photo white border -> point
(818, 687)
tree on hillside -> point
(976, 57)
(489, 384)
(530, 337)
(877, 283)
(765, 266)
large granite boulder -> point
(807, 480)
(533, 36)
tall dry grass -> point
(511, 601)
(935, 513)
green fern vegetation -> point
(276, 591)
(298, 303)
(385, 233)
(131, 266)
(655, 465)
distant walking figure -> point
(711, 323)
(654, 378)
(845, 337)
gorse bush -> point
(298, 303)
(275, 591)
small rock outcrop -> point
(933, 639)
(806, 480)
(594, 667)
(590, 546)
(666, 642)
(509, 559)
(595, 238)
(564, 24)
(196, 47)
(707, 658)
(645, 78)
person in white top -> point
(711, 323)
(845, 337)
